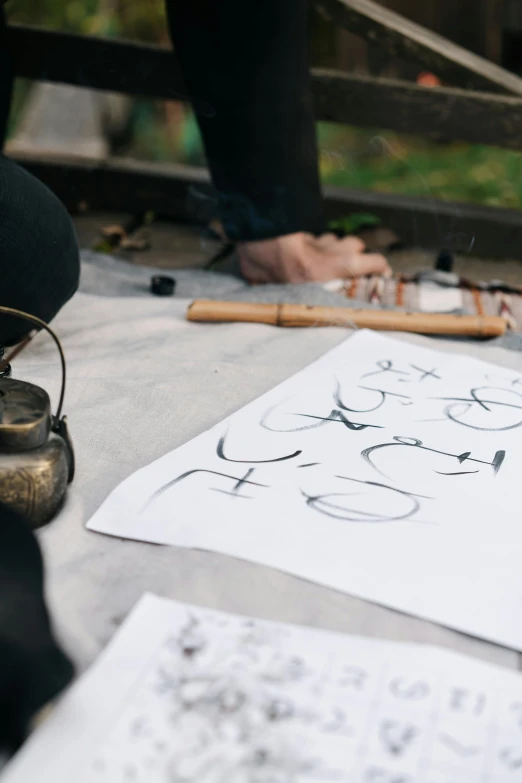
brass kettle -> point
(36, 453)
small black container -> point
(162, 286)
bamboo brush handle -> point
(379, 320)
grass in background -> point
(390, 163)
(372, 160)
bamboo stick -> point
(379, 320)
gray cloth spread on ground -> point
(142, 381)
(105, 275)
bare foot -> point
(302, 258)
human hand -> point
(302, 258)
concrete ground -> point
(176, 246)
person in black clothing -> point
(246, 69)
(33, 668)
(39, 272)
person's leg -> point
(245, 66)
(246, 69)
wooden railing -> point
(483, 106)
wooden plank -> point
(403, 38)
(448, 113)
(100, 63)
(357, 100)
(174, 191)
(154, 72)
(481, 33)
(512, 38)
(184, 193)
(512, 15)
(491, 24)
(481, 231)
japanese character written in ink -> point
(465, 457)
(404, 376)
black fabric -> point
(6, 81)
(245, 63)
(33, 669)
(39, 256)
(39, 272)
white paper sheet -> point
(384, 470)
(188, 695)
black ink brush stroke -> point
(467, 403)
(411, 691)
(340, 418)
(264, 419)
(321, 504)
(401, 440)
(397, 737)
(220, 451)
(334, 416)
(341, 404)
(183, 476)
(426, 373)
(457, 472)
(511, 758)
(385, 365)
(381, 775)
(457, 747)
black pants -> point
(245, 64)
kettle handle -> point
(38, 322)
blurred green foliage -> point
(354, 222)
(142, 19)
(349, 157)
(387, 162)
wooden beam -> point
(172, 190)
(355, 100)
(431, 224)
(403, 38)
(444, 113)
(184, 193)
(100, 63)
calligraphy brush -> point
(293, 315)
